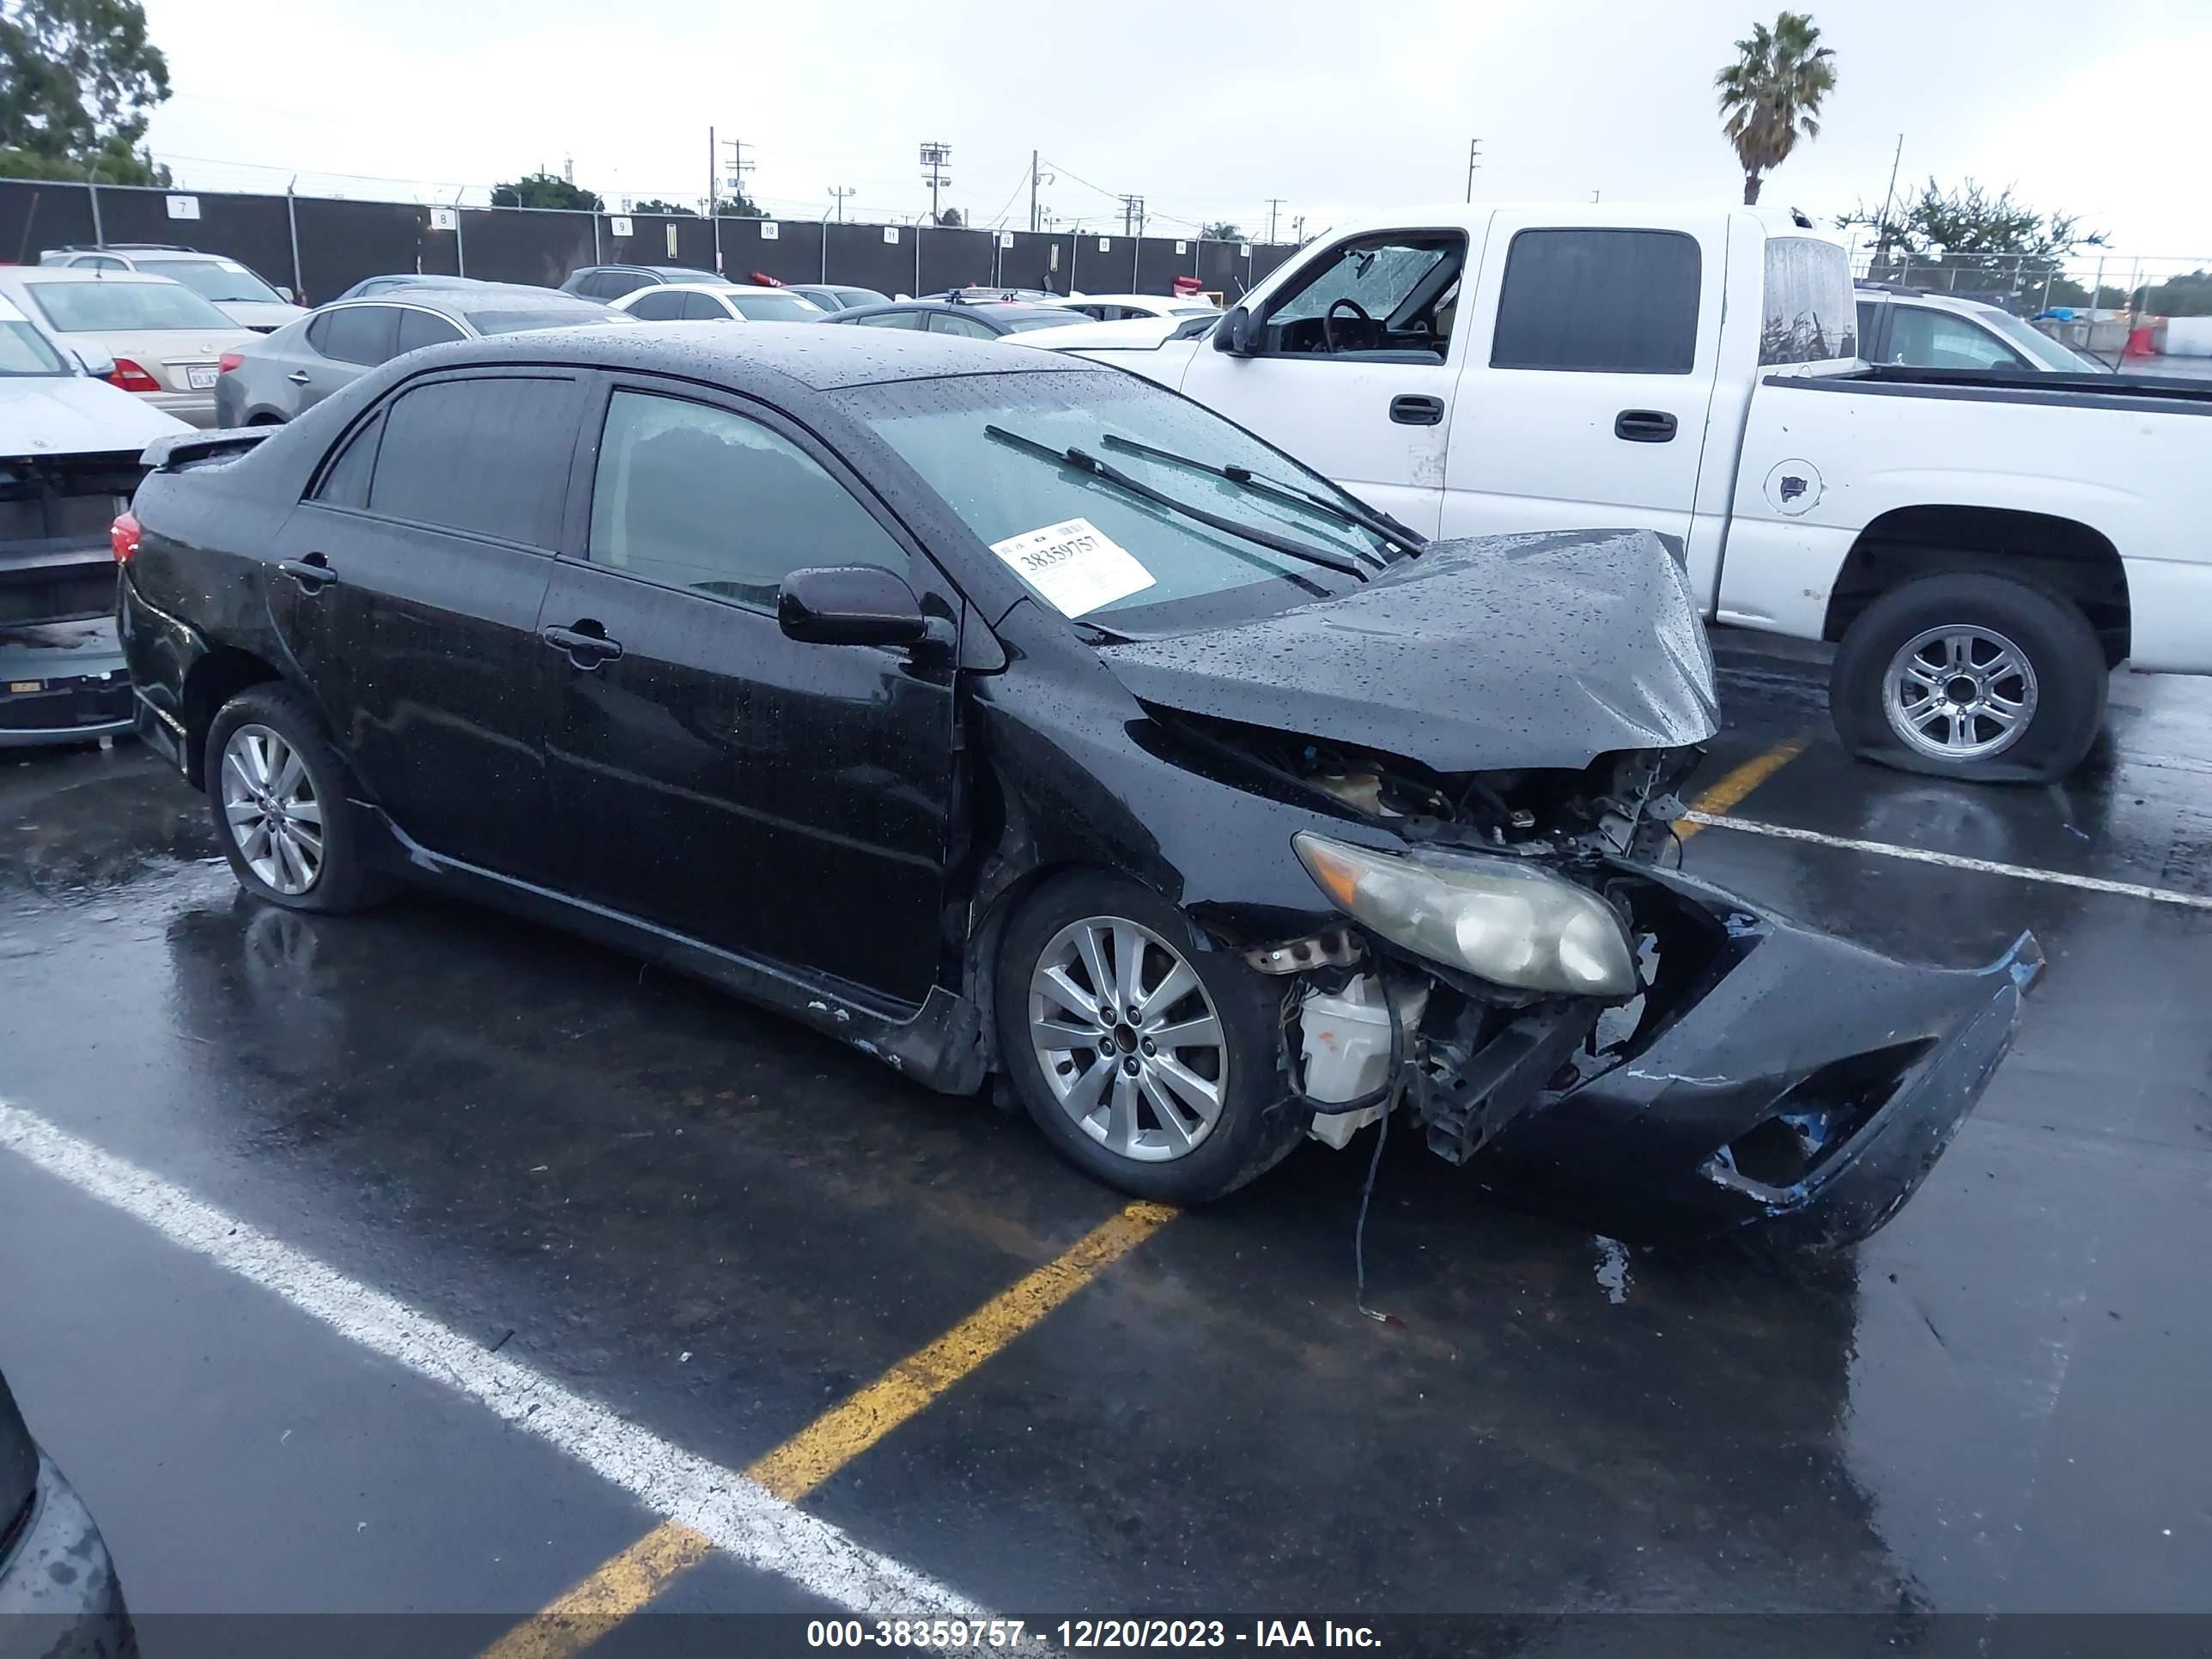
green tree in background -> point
(654, 205)
(1771, 96)
(1967, 239)
(78, 79)
(951, 219)
(739, 206)
(546, 190)
(1221, 230)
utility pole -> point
(1274, 202)
(1298, 229)
(714, 197)
(1881, 231)
(1132, 215)
(934, 156)
(841, 191)
(1473, 160)
(735, 183)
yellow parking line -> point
(590, 1608)
(1727, 795)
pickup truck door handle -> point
(1643, 425)
(298, 377)
(586, 643)
(1417, 412)
(312, 574)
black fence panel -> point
(1161, 261)
(527, 245)
(782, 250)
(1266, 258)
(342, 242)
(39, 215)
(859, 255)
(1224, 269)
(955, 258)
(1036, 260)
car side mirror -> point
(290, 298)
(849, 604)
(94, 360)
(1237, 334)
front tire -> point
(1148, 1060)
(278, 792)
(1970, 676)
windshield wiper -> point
(1085, 462)
(1378, 524)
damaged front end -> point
(1621, 1044)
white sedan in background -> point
(1133, 308)
(718, 302)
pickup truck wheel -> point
(1149, 1062)
(1970, 676)
(279, 794)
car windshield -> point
(108, 305)
(1021, 322)
(225, 281)
(1172, 574)
(23, 350)
(775, 307)
(2038, 347)
(513, 322)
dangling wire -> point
(1375, 1163)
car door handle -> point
(587, 645)
(1417, 412)
(1643, 425)
(314, 573)
(298, 377)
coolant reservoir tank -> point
(1346, 1039)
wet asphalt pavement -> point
(719, 1225)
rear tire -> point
(1970, 676)
(279, 794)
(1122, 1107)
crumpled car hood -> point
(1480, 654)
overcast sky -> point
(1337, 108)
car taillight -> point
(123, 537)
(228, 361)
(131, 378)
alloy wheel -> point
(269, 800)
(1128, 1040)
(1959, 693)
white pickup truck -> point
(1983, 547)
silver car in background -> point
(158, 340)
(277, 377)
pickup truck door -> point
(1356, 363)
(1586, 400)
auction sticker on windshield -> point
(1075, 565)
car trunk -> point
(55, 511)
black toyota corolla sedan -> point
(1006, 715)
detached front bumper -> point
(1780, 1081)
(58, 1594)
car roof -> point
(765, 357)
(1925, 296)
(482, 296)
(79, 273)
(722, 288)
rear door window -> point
(367, 334)
(418, 329)
(967, 327)
(1599, 302)
(659, 304)
(890, 320)
(485, 455)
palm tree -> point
(1771, 95)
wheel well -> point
(215, 679)
(265, 419)
(2057, 555)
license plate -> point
(19, 686)
(199, 376)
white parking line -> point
(1953, 860)
(741, 1518)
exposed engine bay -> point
(1771, 1113)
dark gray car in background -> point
(274, 380)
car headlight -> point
(1511, 923)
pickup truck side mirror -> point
(94, 360)
(1237, 334)
(849, 604)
